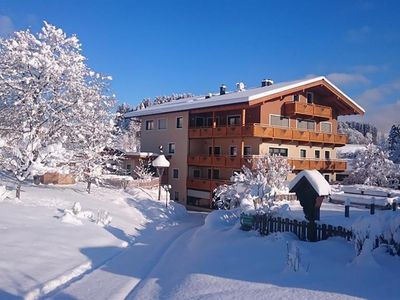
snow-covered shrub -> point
(103, 218)
(372, 167)
(76, 208)
(143, 170)
(253, 190)
(371, 231)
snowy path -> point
(118, 277)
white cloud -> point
(347, 78)
(385, 117)
(369, 69)
(376, 95)
(6, 25)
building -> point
(208, 138)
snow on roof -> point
(318, 182)
(141, 154)
(230, 98)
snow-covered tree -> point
(129, 140)
(143, 170)
(372, 167)
(393, 143)
(252, 188)
(47, 97)
(354, 136)
(162, 99)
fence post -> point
(295, 228)
(279, 224)
(394, 204)
(303, 230)
(372, 207)
(324, 237)
(347, 208)
(312, 231)
(286, 224)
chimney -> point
(267, 82)
(240, 86)
(222, 89)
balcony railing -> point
(266, 131)
(306, 109)
(236, 162)
(204, 184)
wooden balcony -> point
(269, 132)
(204, 184)
(323, 165)
(309, 110)
(236, 162)
(199, 184)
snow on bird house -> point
(160, 162)
(310, 188)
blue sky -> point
(153, 48)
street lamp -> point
(160, 163)
(167, 188)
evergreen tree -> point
(394, 143)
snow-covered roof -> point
(141, 154)
(318, 182)
(232, 98)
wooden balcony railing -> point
(236, 162)
(266, 131)
(305, 109)
(323, 165)
(204, 184)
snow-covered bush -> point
(254, 189)
(143, 170)
(372, 167)
(371, 231)
(103, 218)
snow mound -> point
(222, 218)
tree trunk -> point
(18, 191)
(89, 185)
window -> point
(199, 122)
(176, 196)
(149, 125)
(326, 127)
(217, 150)
(129, 169)
(175, 173)
(278, 151)
(196, 173)
(233, 120)
(210, 121)
(247, 150)
(162, 123)
(209, 173)
(305, 124)
(317, 154)
(171, 148)
(310, 97)
(303, 153)
(233, 151)
(327, 177)
(327, 154)
(209, 150)
(215, 173)
(276, 120)
(296, 98)
(179, 122)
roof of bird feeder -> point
(316, 180)
(160, 162)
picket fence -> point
(306, 231)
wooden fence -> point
(306, 231)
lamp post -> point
(160, 163)
(167, 188)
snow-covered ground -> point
(218, 261)
(42, 250)
(150, 252)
